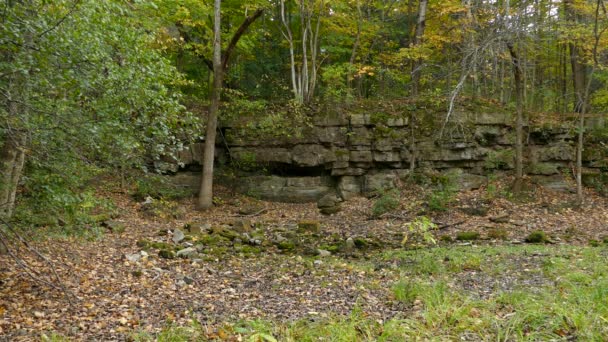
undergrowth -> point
(562, 296)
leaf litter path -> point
(113, 297)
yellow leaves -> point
(366, 70)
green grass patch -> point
(501, 293)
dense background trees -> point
(90, 86)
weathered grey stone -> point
(187, 252)
(360, 120)
(386, 156)
(330, 210)
(430, 151)
(332, 135)
(396, 122)
(546, 169)
(359, 136)
(339, 165)
(349, 187)
(388, 144)
(311, 155)
(329, 119)
(262, 154)
(323, 253)
(361, 156)
(466, 181)
(300, 194)
(197, 152)
(184, 156)
(349, 171)
(499, 119)
(178, 236)
(362, 165)
(242, 226)
(303, 182)
(133, 257)
(557, 152)
(379, 181)
(329, 200)
(554, 182)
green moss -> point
(309, 226)
(166, 254)
(162, 245)
(226, 233)
(361, 243)
(445, 238)
(498, 234)
(143, 243)
(286, 246)
(537, 237)
(208, 239)
(467, 236)
(246, 249)
(335, 248)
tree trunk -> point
(205, 197)
(12, 159)
(519, 94)
(419, 35)
(579, 69)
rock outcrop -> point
(354, 153)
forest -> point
(303, 170)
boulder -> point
(349, 187)
(242, 226)
(187, 253)
(178, 236)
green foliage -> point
(467, 236)
(419, 233)
(537, 237)
(499, 160)
(158, 187)
(407, 292)
(442, 192)
(62, 200)
(387, 202)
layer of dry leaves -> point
(110, 297)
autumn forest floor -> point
(257, 274)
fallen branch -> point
(252, 215)
(448, 225)
(35, 275)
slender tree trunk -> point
(517, 73)
(583, 106)
(292, 61)
(205, 198)
(12, 159)
(418, 38)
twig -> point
(35, 275)
(252, 215)
(448, 225)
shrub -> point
(156, 186)
(467, 236)
(387, 202)
(537, 237)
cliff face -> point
(354, 153)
